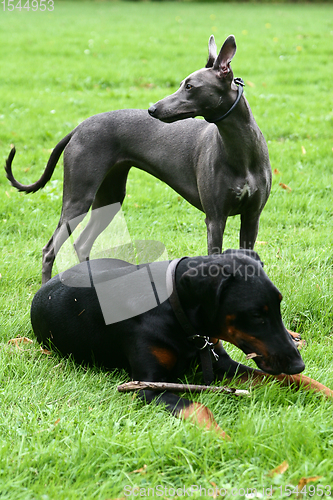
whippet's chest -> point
(243, 196)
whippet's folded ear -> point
(212, 52)
(227, 52)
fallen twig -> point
(136, 385)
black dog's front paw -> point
(297, 339)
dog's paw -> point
(203, 417)
(297, 339)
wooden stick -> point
(136, 385)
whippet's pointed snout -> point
(152, 110)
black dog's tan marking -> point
(237, 337)
(226, 305)
(165, 357)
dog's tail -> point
(48, 172)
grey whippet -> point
(220, 164)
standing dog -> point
(221, 297)
(220, 165)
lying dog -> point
(91, 312)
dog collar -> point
(240, 83)
(202, 342)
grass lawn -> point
(65, 432)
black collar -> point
(202, 342)
(241, 84)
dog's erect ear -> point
(227, 52)
(212, 52)
(243, 252)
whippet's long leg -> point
(109, 197)
(248, 232)
(215, 230)
(69, 219)
(48, 258)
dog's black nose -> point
(296, 366)
(152, 110)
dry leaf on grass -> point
(305, 480)
(276, 171)
(20, 340)
(303, 150)
(45, 351)
(26, 340)
(142, 470)
(280, 469)
(284, 186)
(215, 492)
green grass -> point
(65, 432)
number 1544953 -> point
(27, 5)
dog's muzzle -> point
(152, 110)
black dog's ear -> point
(243, 252)
(212, 52)
(227, 52)
(203, 285)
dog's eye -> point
(258, 317)
(188, 86)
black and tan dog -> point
(208, 299)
